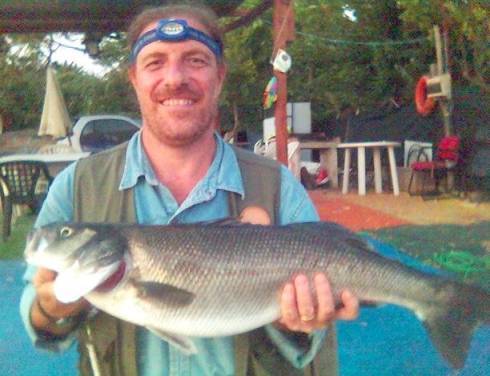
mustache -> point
(181, 92)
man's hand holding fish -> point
(306, 305)
(50, 315)
(305, 309)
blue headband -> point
(175, 30)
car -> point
(99, 132)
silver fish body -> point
(206, 280)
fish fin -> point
(450, 326)
(184, 344)
(371, 304)
(322, 228)
(360, 244)
(163, 293)
(362, 303)
(73, 283)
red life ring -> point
(424, 104)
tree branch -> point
(249, 17)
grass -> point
(461, 249)
(13, 247)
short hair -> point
(195, 11)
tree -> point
(468, 29)
(247, 54)
(23, 62)
(348, 56)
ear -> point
(222, 71)
(132, 75)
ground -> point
(449, 232)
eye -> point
(197, 61)
(153, 64)
(66, 232)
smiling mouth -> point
(178, 102)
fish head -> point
(83, 255)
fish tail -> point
(451, 325)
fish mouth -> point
(113, 280)
(73, 283)
(36, 253)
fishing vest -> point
(107, 345)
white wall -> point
(299, 121)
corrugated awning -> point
(26, 16)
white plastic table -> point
(377, 146)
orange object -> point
(423, 103)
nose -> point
(175, 74)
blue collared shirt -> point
(156, 205)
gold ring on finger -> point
(305, 318)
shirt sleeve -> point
(57, 207)
(296, 206)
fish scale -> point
(218, 279)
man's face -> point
(178, 85)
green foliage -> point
(468, 28)
(356, 55)
(247, 54)
(113, 51)
(23, 79)
(334, 62)
(21, 94)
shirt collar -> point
(224, 172)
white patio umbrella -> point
(55, 120)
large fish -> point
(220, 279)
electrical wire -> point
(345, 42)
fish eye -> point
(65, 232)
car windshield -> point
(101, 134)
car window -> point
(105, 133)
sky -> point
(80, 58)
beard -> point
(179, 126)
(180, 129)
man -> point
(176, 170)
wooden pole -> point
(282, 34)
(443, 68)
(438, 42)
(444, 103)
(280, 118)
